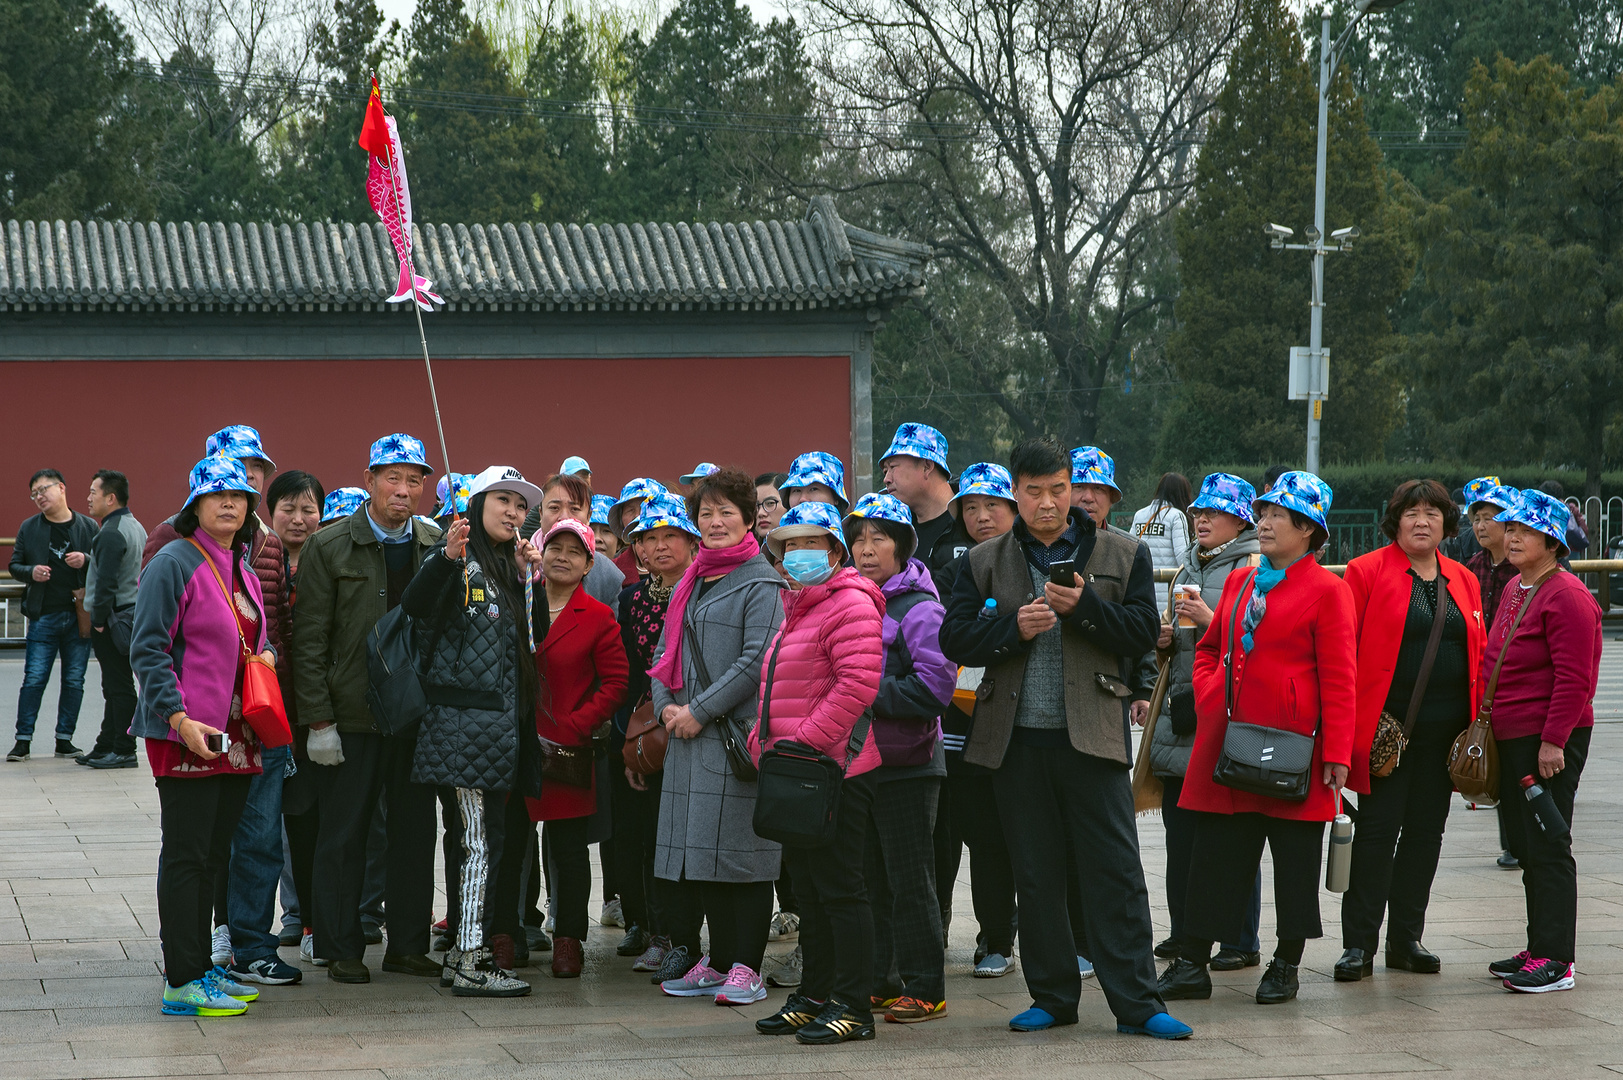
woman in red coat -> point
(1287, 629)
(1401, 815)
(582, 665)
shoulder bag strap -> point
(766, 694)
(1439, 616)
(225, 592)
(1486, 708)
(691, 644)
(1228, 655)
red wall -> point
(627, 417)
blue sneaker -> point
(201, 997)
(270, 971)
(231, 987)
(1033, 1019)
(1084, 965)
(1159, 1026)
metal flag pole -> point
(416, 306)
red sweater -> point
(1547, 685)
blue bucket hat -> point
(215, 473)
(700, 471)
(1091, 465)
(451, 483)
(1488, 489)
(985, 478)
(574, 466)
(1543, 513)
(807, 519)
(344, 502)
(643, 487)
(399, 449)
(1228, 493)
(237, 441)
(879, 506)
(817, 467)
(921, 441)
(663, 511)
(1302, 492)
(600, 509)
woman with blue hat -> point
(914, 688)
(199, 615)
(1224, 542)
(1280, 657)
(1541, 668)
(665, 540)
(816, 477)
(820, 675)
(609, 542)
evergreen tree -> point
(563, 82)
(1243, 306)
(1523, 275)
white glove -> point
(325, 747)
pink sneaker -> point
(743, 987)
(700, 979)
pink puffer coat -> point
(829, 659)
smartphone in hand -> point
(1063, 574)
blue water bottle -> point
(989, 609)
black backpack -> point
(395, 694)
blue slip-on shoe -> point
(1159, 1026)
(1033, 1019)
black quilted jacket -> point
(477, 734)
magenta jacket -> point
(184, 647)
(1547, 686)
(829, 660)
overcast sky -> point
(763, 10)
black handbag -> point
(394, 690)
(1261, 760)
(797, 797)
(734, 732)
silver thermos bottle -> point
(1338, 867)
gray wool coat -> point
(707, 815)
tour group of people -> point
(966, 656)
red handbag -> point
(262, 707)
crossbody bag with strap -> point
(797, 797)
(1473, 760)
(1391, 737)
(734, 732)
(1261, 760)
(262, 708)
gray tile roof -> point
(819, 261)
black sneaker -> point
(1500, 969)
(796, 1013)
(675, 965)
(18, 752)
(836, 1023)
(290, 936)
(1167, 949)
(116, 761)
(1234, 960)
(66, 749)
(1507, 861)
(1279, 983)
(634, 943)
(372, 933)
(1540, 976)
(1184, 980)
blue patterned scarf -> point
(1267, 577)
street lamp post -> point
(1315, 380)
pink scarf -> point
(707, 563)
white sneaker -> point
(1085, 966)
(613, 914)
(551, 925)
(994, 966)
(307, 950)
(221, 953)
(785, 927)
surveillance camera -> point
(1349, 233)
(1279, 232)
(1312, 234)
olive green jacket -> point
(342, 593)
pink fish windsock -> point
(390, 196)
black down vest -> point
(475, 734)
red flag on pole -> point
(390, 196)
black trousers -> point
(900, 868)
(1549, 872)
(198, 817)
(636, 824)
(571, 874)
(836, 921)
(118, 693)
(991, 878)
(1180, 827)
(347, 796)
(1397, 843)
(739, 913)
(451, 849)
(513, 843)
(1228, 854)
(1052, 799)
(948, 844)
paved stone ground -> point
(79, 978)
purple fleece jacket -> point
(916, 690)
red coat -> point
(1381, 587)
(583, 673)
(1300, 673)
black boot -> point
(1412, 956)
(1355, 964)
(1184, 981)
(1278, 984)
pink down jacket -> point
(829, 660)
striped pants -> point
(477, 862)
